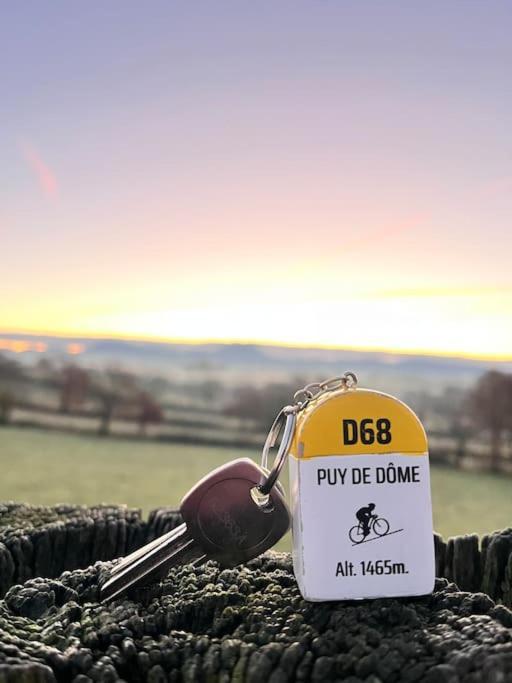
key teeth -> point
(128, 560)
(107, 595)
(149, 568)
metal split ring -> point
(284, 422)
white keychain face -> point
(361, 507)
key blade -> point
(137, 577)
(150, 566)
(130, 559)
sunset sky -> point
(324, 173)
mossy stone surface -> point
(248, 624)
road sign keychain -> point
(360, 492)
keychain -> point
(360, 492)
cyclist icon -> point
(368, 523)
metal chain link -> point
(286, 420)
(314, 390)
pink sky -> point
(309, 173)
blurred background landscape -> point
(139, 422)
(204, 208)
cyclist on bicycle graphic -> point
(364, 516)
(369, 524)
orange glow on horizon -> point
(22, 345)
(312, 313)
(75, 349)
(156, 339)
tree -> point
(11, 375)
(490, 404)
(148, 411)
(73, 388)
(111, 390)
(453, 406)
(262, 404)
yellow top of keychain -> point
(357, 422)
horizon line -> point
(264, 343)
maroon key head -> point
(226, 522)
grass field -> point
(46, 467)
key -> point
(225, 519)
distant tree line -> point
(262, 403)
(485, 410)
(115, 392)
(112, 393)
(483, 413)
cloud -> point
(42, 172)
